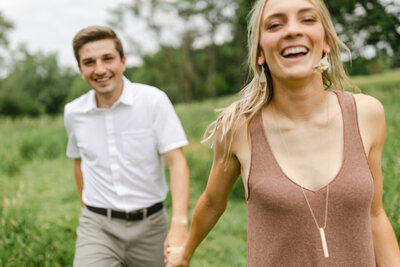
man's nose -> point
(100, 67)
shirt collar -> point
(125, 98)
(127, 93)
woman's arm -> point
(211, 204)
(373, 129)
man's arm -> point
(78, 178)
(179, 182)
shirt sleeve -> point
(72, 147)
(167, 126)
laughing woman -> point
(309, 153)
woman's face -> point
(291, 38)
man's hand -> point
(176, 237)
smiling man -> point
(119, 133)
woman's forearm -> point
(206, 215)
(385, 243)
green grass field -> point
(39, 205)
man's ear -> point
(80, 71)
(124, 62)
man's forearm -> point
(179, 182)
(78, 178)
(180, 185)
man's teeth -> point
(294, 51)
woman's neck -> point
(300, 100)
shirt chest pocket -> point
(139, 146)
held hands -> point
(175, 257)
(173, 245)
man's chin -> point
(103, 90)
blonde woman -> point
(309, 153)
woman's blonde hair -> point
(252, 98)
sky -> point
(50, 25)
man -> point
(118, 135)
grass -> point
(39, 205)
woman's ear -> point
(327, 48)
(261, 59)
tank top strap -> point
(256, 129)
(261, 154)
(351, 133)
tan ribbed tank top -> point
(281, 230)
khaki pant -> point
(104, 242)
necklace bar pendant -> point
(324, 244)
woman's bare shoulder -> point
(369, 109)
(371, 120)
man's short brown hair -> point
(95, 33)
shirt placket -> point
(113, 153)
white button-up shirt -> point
(121, 148)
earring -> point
(263, 80)
(322, 65)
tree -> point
(5, 27)
(240, 35)
(39, 78)
(215, 15)
(368, 23)
(193, 24)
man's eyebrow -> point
(104, 55)
(107, 55)
(87, 59)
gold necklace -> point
(321, 229)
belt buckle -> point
(129, 215)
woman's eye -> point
(309, 20)
(273, 26)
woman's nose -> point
(293, 29)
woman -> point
(309, 153)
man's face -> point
(102, 67)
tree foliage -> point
(201, 24)
(5, 27)
(38, 80)
(368, 23)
